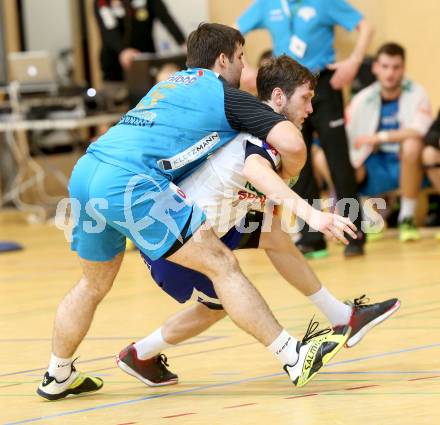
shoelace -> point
(162, 360)
(312, 332)
(72, 365)
(360, 302)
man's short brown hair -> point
(391, 49)
(285, 73)
(208, 41)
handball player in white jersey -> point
(238, 187)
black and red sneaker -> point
(365, 316)
(152, 372)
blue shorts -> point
(109, 204)
(185, 284)
(383, 174)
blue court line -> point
(139, 400)
(206, 387)
(199, 341)
(44, 368)
(391, 353)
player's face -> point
(299, 106)
(389, 70)
(234, 67)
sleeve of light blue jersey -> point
(344, 14)
(252, 18)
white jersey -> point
(221, 190)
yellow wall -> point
(414, 24)
(10, 20)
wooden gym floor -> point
(391, 378)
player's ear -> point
(278, 97)
(222, 59)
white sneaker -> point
(76, 383)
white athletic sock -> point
(59, 368)
(151, 345)
(407, 208)
(336, 311)
(284, 348)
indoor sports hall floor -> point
(392, 377)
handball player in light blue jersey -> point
(124, 186)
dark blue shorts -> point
(185, 284)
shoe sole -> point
(64, 394)
(410, 239)
(352, 341)
(316, 255)
(127, 369)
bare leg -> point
(411, 173)
(243, 303)
(431, 156)
(75, 312)
(190, 322)
(288, 260)
(291, 264)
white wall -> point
(47, 25)
(187, 13)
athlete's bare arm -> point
(288, 141)
(260, 174)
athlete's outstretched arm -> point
(260, 174)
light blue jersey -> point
(123, 187)
(302, 29)
(174, 127)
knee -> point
(210, 315)
(217, 315)
(223, 262)
(95, 290)
(430, 155)
(412, 150)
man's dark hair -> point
(285, 73)
(391, 49)
(208, 41)
(265, 56)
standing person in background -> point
(431, 156)
(304, 29)
(126, 29)
(386, 123)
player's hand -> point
(369, 140)
(345, 71)
(333, 225)
(127, 56)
